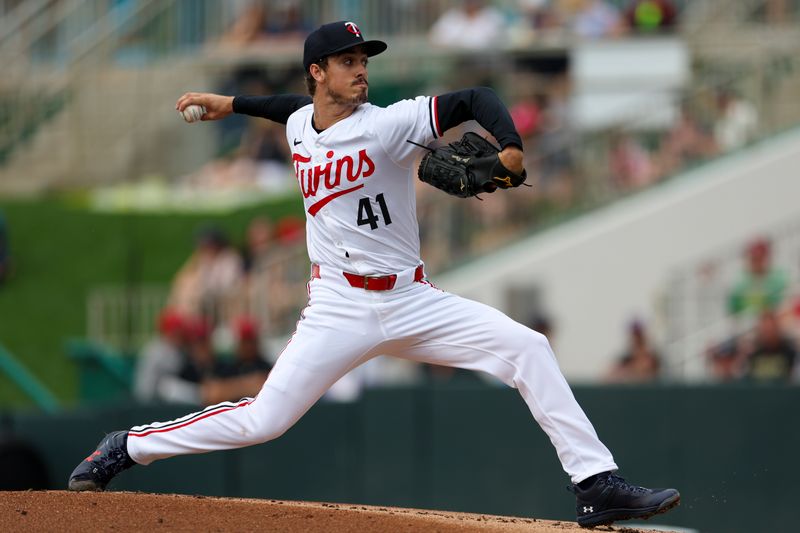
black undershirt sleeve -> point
(483, 105)
(276, 108)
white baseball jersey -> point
(356, 182)
(360, 207)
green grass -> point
(59, 253)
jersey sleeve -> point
(277, 108)
(483, 105)
(408, 120)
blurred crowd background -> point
(611, 97)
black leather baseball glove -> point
(467, 167)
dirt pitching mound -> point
(129, 512)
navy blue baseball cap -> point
(337, 37)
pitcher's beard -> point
(356, 100)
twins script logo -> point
(331, 175)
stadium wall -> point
(729, 450)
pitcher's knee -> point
(533, 350)
(270, 428)
(540, 342)
(522, 354)
(531, 343)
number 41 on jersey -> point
(366, 215)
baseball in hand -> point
(193, 113)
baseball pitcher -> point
(368, 294)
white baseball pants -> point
(343, 327)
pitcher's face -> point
(345, 80)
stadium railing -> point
(27, 382)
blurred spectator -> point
(651, 16)
(243, 375)
(632, 166)
(259, 244)
(640, 363)
(593, 19)
(249, 26)
(290, 231)
(473, 25)
(686, 143)
(726, 360)
(261, 20)
(773, 355)
(205, 378)
(737, 121)
(287, 21)
(202, 363)
(761, 287)
(526, 115)
(161, 358)
(197, 364)
(5, 256)
(207, 279)
(248, 358)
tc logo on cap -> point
(352, 28)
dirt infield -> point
(128, 512)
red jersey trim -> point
(215, 411)
(435, 113)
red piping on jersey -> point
(436, 115)
(315, 207)
(189, 422)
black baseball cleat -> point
(110, 458)
(611, 498)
